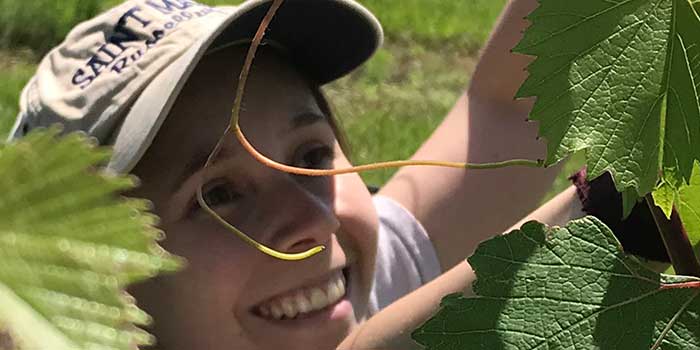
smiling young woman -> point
(231, 296)
(160, 91)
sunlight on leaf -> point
(689, 207)
(69, 247)
(565, 288)
(665, 196)
(617, 78)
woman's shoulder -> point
(406, 259)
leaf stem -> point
(672, 322)
(675, 240)
(683, 285)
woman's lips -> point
(305, 301)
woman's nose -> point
(297, 213)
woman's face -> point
(231, 296)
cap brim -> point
(325, 39)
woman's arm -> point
(460, 208)
(391, 328)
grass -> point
(14, 73)
(393, 103)
(40, 24)
(388, 107)
(465, 23)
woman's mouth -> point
(306, 301)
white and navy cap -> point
(116, 76)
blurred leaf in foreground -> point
(69, 246)
(617, 78)
(566, 288)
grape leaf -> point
(665, 197)
(617, 78)
(69, 247)
(565, 288)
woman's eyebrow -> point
(305, 119)
(199, 159)
(196, 162)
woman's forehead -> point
(277, 98)
(274, 86)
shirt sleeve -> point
(406, 259)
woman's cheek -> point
(213, 256)
(359, 225)
(195, 305)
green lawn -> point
(40, 24)
(393, 103)
(388, 107)
(14, 73)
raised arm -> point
(460, 208)
(391, 328)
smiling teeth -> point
(303, 303)
(305, 300)
(276, 311)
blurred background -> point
(388, 107)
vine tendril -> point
(376, 166)
(234, 127)
(236, 108)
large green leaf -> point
(69, 246)
(565, 288)
(617, 78)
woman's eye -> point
(317, 157)
(220, 194)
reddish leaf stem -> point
(684, 285)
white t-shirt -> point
(406, 259)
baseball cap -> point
(116, 77)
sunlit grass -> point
(465, 23)
(40, 24)
(393, 103)
(14, 73)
